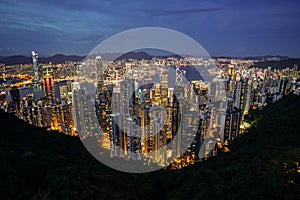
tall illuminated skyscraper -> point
(164, 89)
(35, 66)
(99, 65)
(49, 87)
(231, 70)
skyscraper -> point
(35, 66)
(99, 65)
(49, 87)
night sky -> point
(222, 27)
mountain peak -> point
(141, 55)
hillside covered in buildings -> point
(261, 164)
(127, 97)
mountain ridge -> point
(146, 54)
(278, 64)
(57, 58)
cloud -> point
(164, 12)
(65, 25)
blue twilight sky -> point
(222, 27)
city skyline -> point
(151, 100)
(164, 111)
(224, 28)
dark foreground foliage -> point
(262, 164)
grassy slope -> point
(38, 164)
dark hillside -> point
(262, 164)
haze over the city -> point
(224, 28)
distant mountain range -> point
(260, 58)
(267, 58)
(58, 58)
(135, 55)
(147, 54)
(278, 64)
